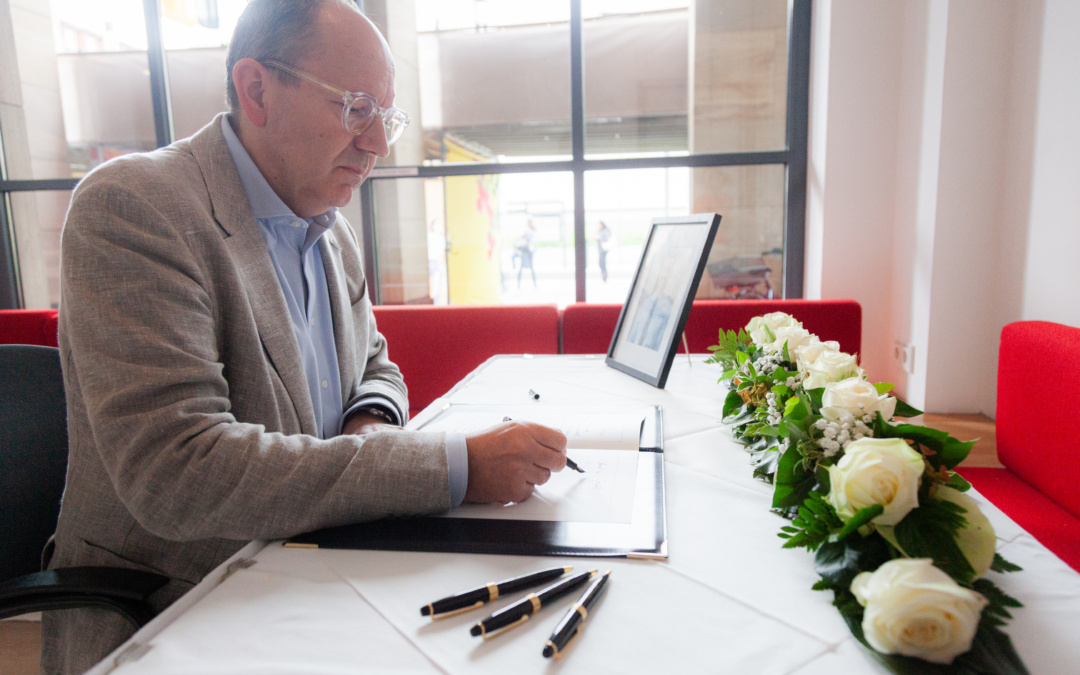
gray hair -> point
(273, 30)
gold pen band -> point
(535, 600)
(493, 591)
(580, 609)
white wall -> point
(944, 176)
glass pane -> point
(476, 240)
(84, 87)
(492, 77)
(195, 35)
(746, 260)
(667, 77)
(39, 217)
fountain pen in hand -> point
(520, 611)
(571, 623)
(476, 597)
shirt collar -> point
(265, 203)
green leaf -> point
(839, 562)
(792, 481)
(885, 388)
(861, 517)
(905, 410)
(741, 357)
(1002, 565)
(958, 482)
(929, 531)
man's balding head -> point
(276, 30)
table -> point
(728, 599)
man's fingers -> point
(537, 475)
(546, 436)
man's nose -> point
(373, 140)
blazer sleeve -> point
(147, 365)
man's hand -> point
(362, 423)
(507, 461)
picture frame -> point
(654, 315)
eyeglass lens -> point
(362, 113)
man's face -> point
(317, 163)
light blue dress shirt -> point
(293, 244)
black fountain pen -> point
(476, 597)
(519, 612)
(571, 623)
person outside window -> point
(604, 242)
(526, 248)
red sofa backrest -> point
(587, 329)
(1038, 387)
(436, 347)
(28, 327)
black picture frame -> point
(653, 317)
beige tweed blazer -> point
(191, 427)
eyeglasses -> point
(359, 109)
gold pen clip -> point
(486, 635)
(447, 615)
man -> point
(216, 332)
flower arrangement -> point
(895, 538)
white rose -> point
(855, 396)
(872, 471)
(774, 321)
(793, 336)
(915, 609)
(831, 366)
(808, 353)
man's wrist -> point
(375, 411)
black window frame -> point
(793, 158)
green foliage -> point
(1000, 602)
(1002, 565)
(944, 449)
(958, 483)
(929, 531)
(728, 345)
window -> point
(532, 124)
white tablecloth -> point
(729, 599)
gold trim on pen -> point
(535, 600)
(293, 544)
(554, 649)
(486, 635)
(580, 609)
(447, 615)
(493, 591)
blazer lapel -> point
(232, 211)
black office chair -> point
(33, 467)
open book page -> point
(607, 429)
(603, 442)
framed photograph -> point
(653, 318)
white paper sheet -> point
(604, 443)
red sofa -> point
(28, 327)
(436, 347)
(587, 329)
(1038, 386)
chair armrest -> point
(124, 591)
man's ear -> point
(250, 79)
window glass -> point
(746, 259)
(476, 240)
(84, 92)
(195, 34)
(39, 218)
(491, 76)
(667, 77)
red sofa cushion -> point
(28, 327)
(587, 329)
(436, 347)
(1038, 386)
(1056, 528)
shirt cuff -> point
(380, 401)
(457, 460)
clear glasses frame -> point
(359, 109)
